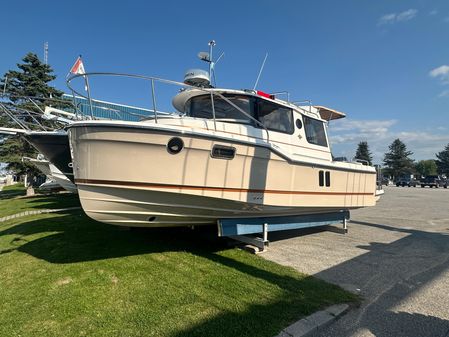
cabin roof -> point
(329, 114)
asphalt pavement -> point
(395, 255)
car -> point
(382, 181)
(406, 181)
(434, 181)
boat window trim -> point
(305, 122)
(289, 110)
(224, 97)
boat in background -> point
(52, 173)
(53, 143)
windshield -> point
(201, 107)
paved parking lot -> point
(396, 255)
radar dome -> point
(197, 78)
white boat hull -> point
(125, 176)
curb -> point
(315, 322)
(42, 211)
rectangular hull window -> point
(321, 178)
(223, 152)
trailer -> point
(243, 229)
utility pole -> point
(46, 52)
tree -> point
(397, 160)
(31, 79)
(364, 153)
(12, 150)
(426, 167)
(443, 161)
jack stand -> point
(260, 244)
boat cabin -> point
(289, 124)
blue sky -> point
(384, 63)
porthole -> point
(175, 145)
(298, 123)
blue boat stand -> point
(238, 229)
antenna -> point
(211, 58)
(46, 52)
(260, 71)
(208, 57)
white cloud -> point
(387, 18)
(364, 126)
(407, 15)
(441, 72)
(345, 135)
(397, 17)
(433, 12)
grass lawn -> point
(12, 200)
(12, 191)
(66, 275)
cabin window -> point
(275, 117)
(315, 133)
(201, 107)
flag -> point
(78, 67)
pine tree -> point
(397, 161)
(443, 161)
(364, 153)
(31, 80)
(426, 167)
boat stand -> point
(239, 229)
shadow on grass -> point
(11, 194)
(53, 201)
(73, 238)
(76, 238)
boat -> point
(225, 154)
(54, 145)
(53, 173)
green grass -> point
(16, 203)
(66, 275)
(12, 191)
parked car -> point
(406, 181)
(383, 181)
(434, 181)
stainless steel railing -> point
(212, 91)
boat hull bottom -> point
(152, 208)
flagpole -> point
(73, 97)
(86, 81)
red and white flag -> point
(78, 67)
